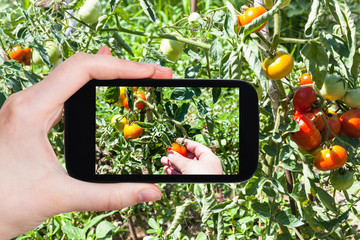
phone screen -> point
(135, 127)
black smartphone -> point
(120, 130)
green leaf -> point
(153, 224)
(284, 236)
(312, 21)
(181, 93)
(181, 112)
(250, 54)
(224, 71)
(216, 92)
(201, 236)
(235, 65)
(147, 6)
(101, 22)
(122, 43)
(112, 95)
(192, 72)
(104, 228)
(202, 108)
(263, 209)
(220, 227)
(145, 124)
(291, 165)
(225, 206)
(177, 218)
(209, 118)
(165, 139)
(316, 61)
(95, 220)
(42, 53)
(326, 199)
(115, 48)
(3, 98)
(230, 20)
(216, 50)
(73, 232)
(288, 220)
(355, 67)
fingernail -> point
(148, 195)
(170, 155)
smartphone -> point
(120, 130)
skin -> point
(34, 185)
(200, 160)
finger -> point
(201, 152)
(162, 72)
(165, 161)
(85, 196)
(178, 161)
(73, 73)
(104, 50)
(171, 171)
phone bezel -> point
(79, 139)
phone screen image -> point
(136, 126)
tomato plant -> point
(305, 79)
(330, 158)
(177, 148)
(304, 97)
(350, 123)
(279, 66)
(251, 14)
(342, 179)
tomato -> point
(172, 49)
(52, 50)
(352, 98)
(21, 55)
(308, 137)
(316, 118)
(122, 96)
(304, 97)
(334, 87)
(194, 19)
(138, 105)
(350, 123)
(342, 179)
(250, 14)
(330, 159)
(118, 122)
(90, 12)
(177, 148)
(132, 131)
(279, 66)
(334, 124)
(270, 3)
(305, 79)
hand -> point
(199, 160)
(34, 186)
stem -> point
(267, 43)
(208, 63)
(296, 40)
(277, 28)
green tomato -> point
(194, 19)
(52, 50)
(342, 180)
(334, 87)
(352, 98)
(90, 12)
(172, 49)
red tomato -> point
(312, 114)
(304, 97)
(330, 159)
(308, 137)
(350, 123)
(334, 124)
(177, 148)
(250, 15)
(305, 79)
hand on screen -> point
(34, 185)
(199, 160)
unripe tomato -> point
(52, 50)
(138, 105)
(308, 137)
(342, 179)
(118, 122)
(304, 98)
(250, 14)
(90, 12)
(334, 124)
(279, 66)
(21, 55)
(122, 96)
(352, 98)
(172, 49)
(177, 148)
(350, 123)
(314, 117)
(132, 131)
(330, 159)
(334, 87)
(194, 19)
(305, 79)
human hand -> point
(34, 186)
(199, 160)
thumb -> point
(104, 50)
(178, 161)
(86, 196)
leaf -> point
(224, 71)
(249, 53)
(112, 95)
(73, 232)
(181, 93)
(104, 228)
(30, 77)
(326, 199)
(252, 186)
(95, 220)
(263, 209)
(177, 218)
(153, 224)
(208, 202)
(209, 118)
(225, 206)
(235, 65)
(145, 124)
(216, 92)
(101, 22)
(201, 236)
(122, 43)
(3, 98)
(192, 72)
(220, 227)
(181, 112)
(42, 53)
(147, 6)
(202, 108)
(316, 61)
(278, 185)
(230, 20)
(355, 67)
(311, 23)
(288, 220)
(216, 50)
(165, 139)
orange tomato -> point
(279, 66)
(21, 55)
(250, 14)
(177, 148)
(132, 131)
(330, 159)
(350, 123)
(334, 124)
(305, 79)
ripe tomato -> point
(52, 50)
(316, 118)
(334, 87)
(177, 148)
(172, 49)
(330, 159)
(118, 122)
(305, 79)
(352, 98)
(350, 123)
(308, 137)
(21, 55)
(250, 14)
(342, 179)
(304, 97)
(132, 131)
(90, 12)
(279, 66)
(334, 124)
(138, 105)
(122, 96)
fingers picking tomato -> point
(177, 148)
